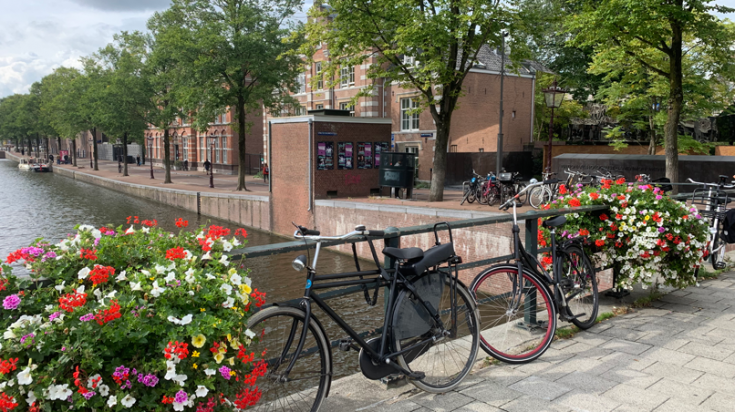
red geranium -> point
(180, 350)
(72, 300)
(594, 196)
(241, 232)
(7, 366)
(89, 254)
(599, 243)
(574, 202)
(100, 274)
(108, 315)
(181, 222)
(175, 253)
(563, 190)
(3, 284)
(247, 397)
(584, 232)
(7, 403)
(620, 181)
(603, 217)
(150, 223)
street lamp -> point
(150, 153)
(91, 158)
(554, 97)
(211, 167)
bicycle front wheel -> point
(718, 252)
(449, 359)
(524, 196)
(579, 286)
(278, 333)
(538, 196)
(517, 325)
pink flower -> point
(225, 372)
(87, 317)
(659, 197)
(11, 302)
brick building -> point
(474, 122)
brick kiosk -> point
(326, 154)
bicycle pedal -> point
(416, 375)
(345, 345)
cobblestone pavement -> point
(676, 356)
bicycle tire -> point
(493, 196)
(511, 335)
(718, 256)
(538, 196)
(523, 198)
(472, 195)
(272, 325)
(481, 197)
(579, 286)
(463, 351)
(466, 195)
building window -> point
(224, 149)
(302, 82)
(216, 150)
(320, 107)
(185, 143)
(481, 150)
(347, 106)
(453, 148)
(347, 76)
(409, 60)
(202, 148)
(320, 81)
(409, 121)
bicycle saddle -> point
(555, 221)
(432, 257)
(403, 254)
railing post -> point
(389, 263)
(529, 309)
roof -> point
(491, 60)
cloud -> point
(124, 5)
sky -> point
(37, 36)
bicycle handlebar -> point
(509, 202)
(314, 234)
(724, 186)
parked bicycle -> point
(551, 187)
(430, 332)
(714, 199)
(519, 302)
(509, 185)
(472, 189)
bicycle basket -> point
(713, 205)
(410, 318)
(505, 177)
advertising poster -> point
(321, 149)
(344, 156)
(360, 155)
(380, 147)
(329, 156)
(368, 155)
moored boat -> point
(41, 167)
(24, 165)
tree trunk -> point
(676, 102)
(125, 154)
(58, 144)
(652, 132)
(38, 146)
(166, 156)
(30, 146)
(439, 169)
(241, 144)
(94, 148)
(74, 152)
(48, 146)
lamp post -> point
(211, 167)
(499, 154)
(91, 147)
(554, 97)
(150, 153)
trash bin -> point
(397, 170)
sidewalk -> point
(677, 356)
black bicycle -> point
(714, 199)
(431, 330)
(519, 302)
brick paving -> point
(678, 355)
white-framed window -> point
(202, 148)
(409, 60)
(216, 150)
(224, 149)
(320, 81)
(185, 143)
(409, 121)
(347, 106)
(302, 82)
(319, 106)
(347, 76)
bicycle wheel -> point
(279, 331)
(448, 360)
(538, 196)
(524, 196)
(718, 252)
(579, 287)
(516, 327)
(482, 196)
(493, 196)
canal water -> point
(46, 205)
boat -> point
(41, 167)
(24, 165)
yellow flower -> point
(195, 354)
(232, 271)
(198, 340)
(647, 217)
(222, 349)
(229, 337)
(234, 308)
(219, 357)
(233, 373)
(153, 278)
(194, 366)
(235, 343)
(202, 310)
(245, 289)
(231, 361)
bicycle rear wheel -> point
(517, 327)
(538, 196)
(718, 252)
(447, 361)
(278, 331)
(579, 286)
(524, 196)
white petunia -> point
(190, 276)
(236, 279)
(223, 260)
(227, 288)
(230, 302)
(235, 242)
(201, 391)
(227, 246)
(146, 273)
(104, 389)
(210, 372)
(178, 406)
(249, 333)
(157, 290)
(135, 286)
(112, 401)
(24, 377)
(145, 230)
(183, 321)
(127, 401)
(81, 289)
(209, 276)
(188, 255)
(128, 232)
(170, 277)
(170, 370)
(61, 286)
(121, 276)
(83, 273)
(160, 269)
(59, 392)
(206, 256)
(180, 379)
(31, 398)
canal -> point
(46, 205)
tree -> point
(427, 45)
(652, 32)
(125, 100)
(237, 54)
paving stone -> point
(700, 334)
(540, 388)
(668, 356)
(600, 327)
(631, 408)
(636, 397)
(500, 375)
(724, 333)
(401, 406)
(622, 333)
(627, 361)
(720, 402)
(442, 402)
(553, 355)
(666, 338)
(716, 383)
(477, 407)
(625, 346)
(671, 371)
(576, 364)
(580, 400)
(534, 367)
(651, 312)
(491, 394)
(705, 350)
(684, 393)
(587, 382)
(675, 405)
(562, 343)
(726, 370)
(593, 339)
(526, 404)
(632, 377)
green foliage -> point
(137, 291)
(569, 109)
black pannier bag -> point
(728, 227)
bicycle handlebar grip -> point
(376, 233)
(309, 232)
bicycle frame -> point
(383, 279)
